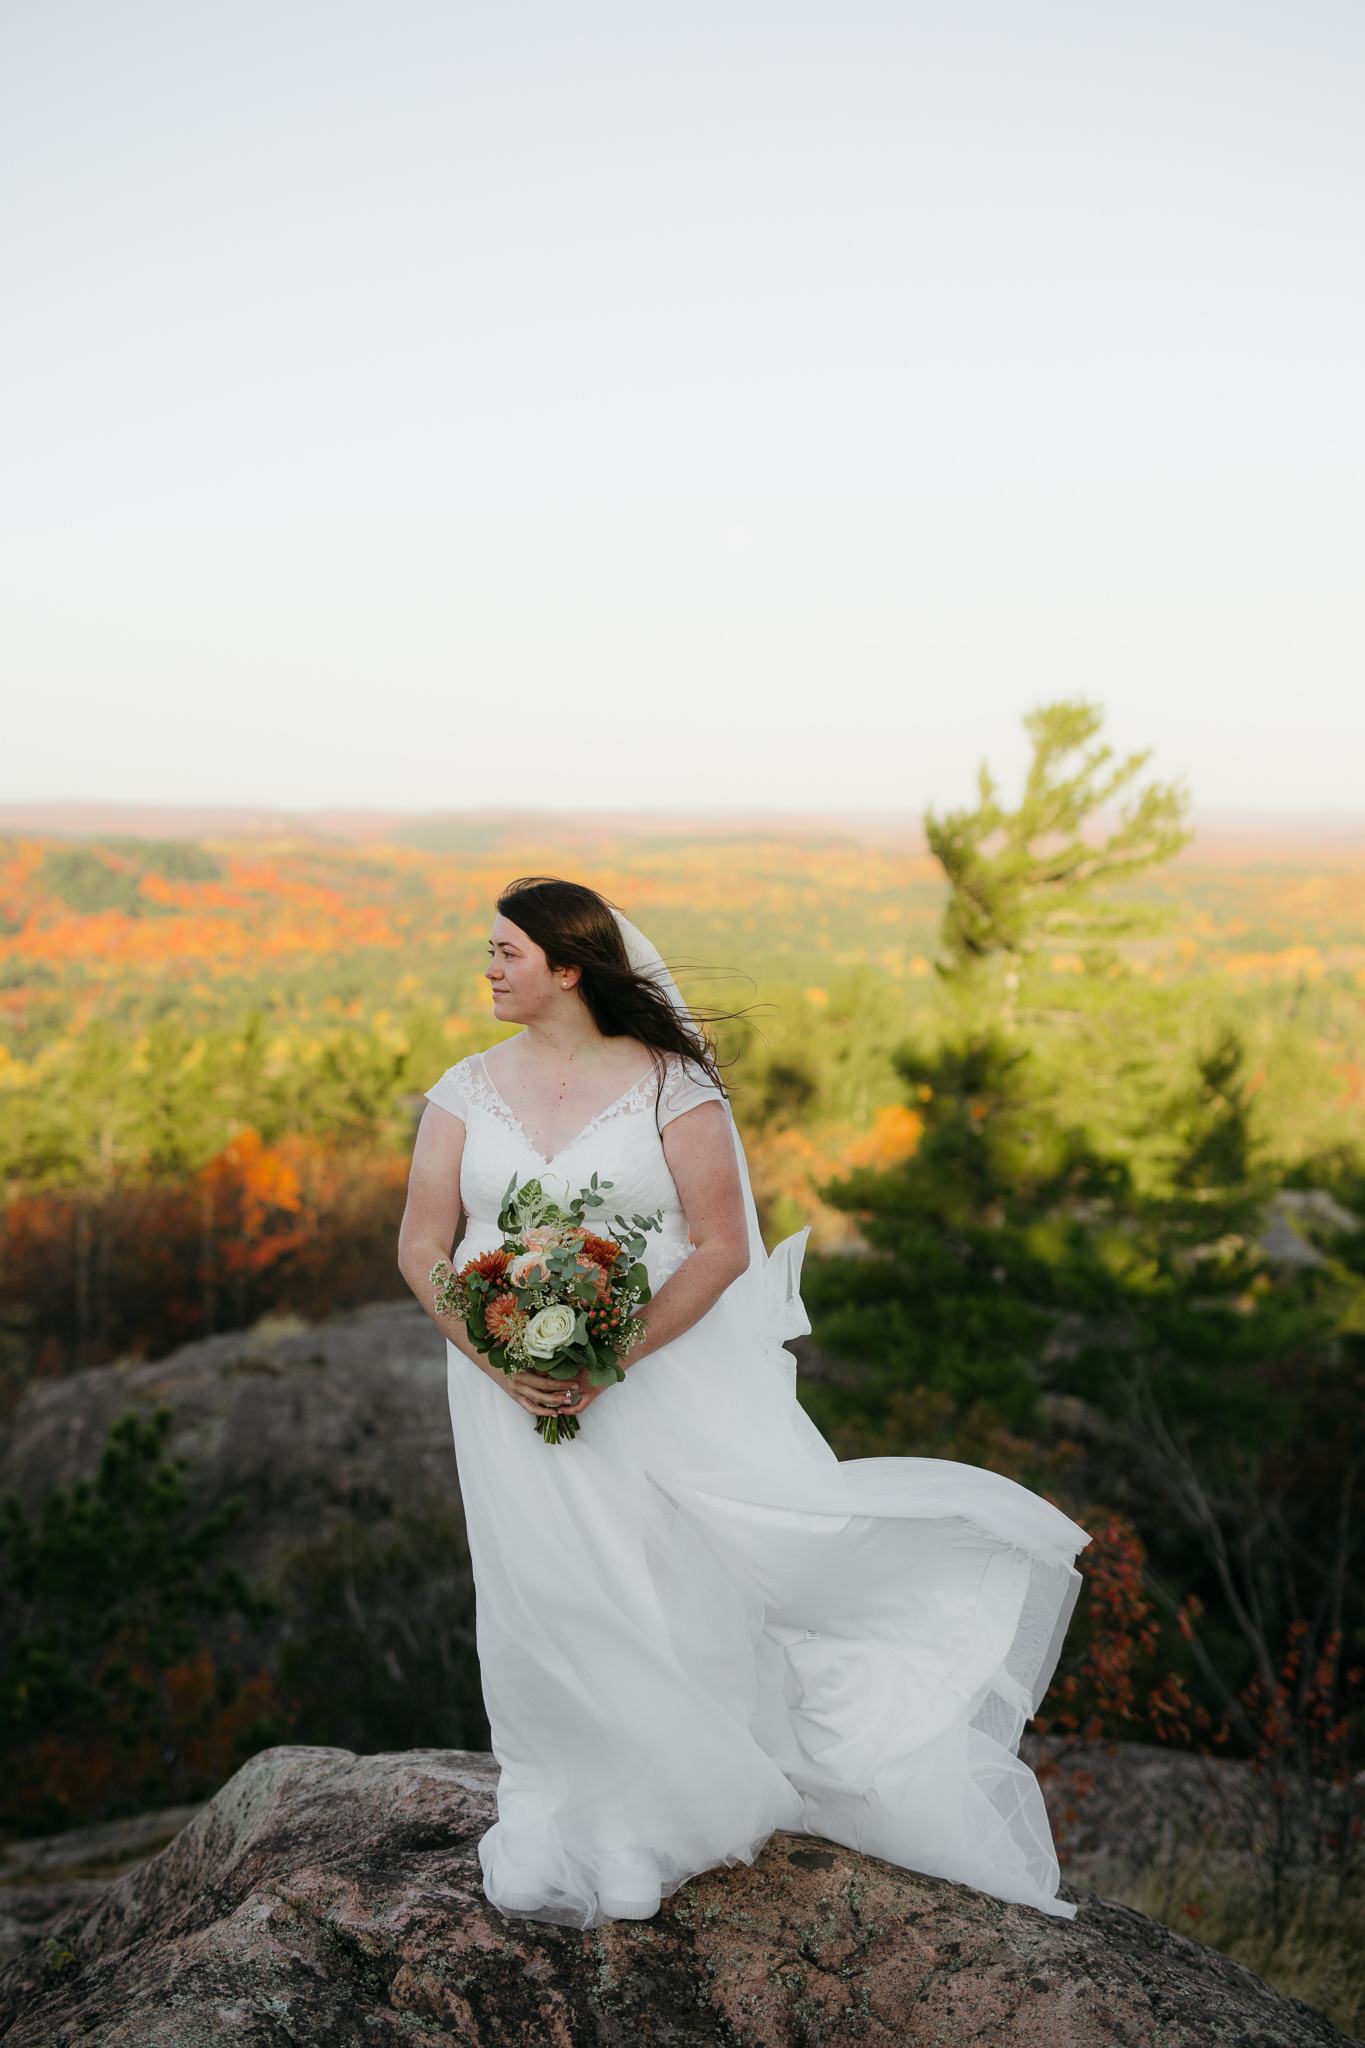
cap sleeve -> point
(451, 1091)
(685, 1086)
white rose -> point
(549, 1331)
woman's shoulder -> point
(459, 1085)
(684, 1084)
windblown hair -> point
(574, 927)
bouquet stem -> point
(557, 1429)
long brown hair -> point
(574, 927)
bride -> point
(694, 1625)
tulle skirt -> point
(696, 1626)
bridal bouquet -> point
(554, 1298)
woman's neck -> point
(570, 1038)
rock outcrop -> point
(347, 1419)
(324, 1899)
(41, 1882)
(1123, 1811)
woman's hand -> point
(540, 1395)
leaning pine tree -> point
(1024, 883)
(1079, 1233)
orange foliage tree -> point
(1109, 1685)
(295, 1226)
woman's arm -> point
(700, 1152)
(430, 1221)
(432, 1216)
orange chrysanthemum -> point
(603, 1251)
(488, 1265)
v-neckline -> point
(568, 1142)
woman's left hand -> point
(577, 1395)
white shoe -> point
(520, 1902)
(628, 1885)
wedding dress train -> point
(696, 1626)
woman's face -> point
(524, 985)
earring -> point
(563, 984)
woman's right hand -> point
(537, 1393)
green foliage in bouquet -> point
(554, 1298)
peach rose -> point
(528, 1268)
(588, 1269)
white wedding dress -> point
(696, 1626)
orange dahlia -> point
(505, 1320)
(488, 1265)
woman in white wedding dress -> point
(694, 1625)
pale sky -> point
(629, 405)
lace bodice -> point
(621, 1144)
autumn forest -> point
(1071, 1099)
